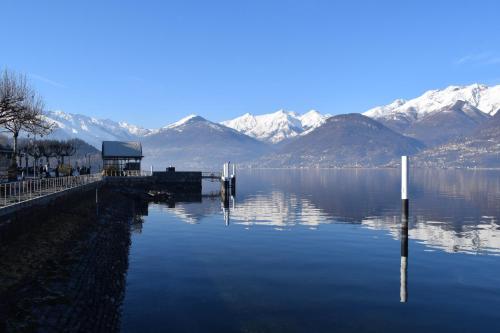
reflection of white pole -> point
(404, 177)
(403, 289)
(404, 272)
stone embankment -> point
(63, 267)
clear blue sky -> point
(151, 63)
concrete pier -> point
(190, 181)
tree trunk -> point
(12, 172)
(14, 156)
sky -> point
(151, 63)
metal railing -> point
(210, 175)
(16, 192)
(127, 173)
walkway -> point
(15, 193)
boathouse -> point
(121, 158)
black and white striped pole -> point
(404, 228)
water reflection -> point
(480, 238)
(404, 257)
(449, 213)
(333, 265)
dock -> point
(20, 195)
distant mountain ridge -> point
(197, 143)
(278, 126)
(272, 127)
(348, 140)
(484, 98)
(481, 149)
(90, 129)
(441, 126)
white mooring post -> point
(404, 177)
(151, 170)
(404, 183)
(403, 294)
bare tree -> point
(33, 150)
(12, 90)
(22, 110)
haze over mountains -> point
(452, 127)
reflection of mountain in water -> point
(455, 211)
(277, 209)
(484, 237)
(190, 212)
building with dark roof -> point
(121, 158)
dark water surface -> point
(320, 251)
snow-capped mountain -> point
(346, 140)
(277, 126)
(196, 143)
(91, 130)
(439, 116)
(271, 127)
(482, 97)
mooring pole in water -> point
(233, 181)
(151, 170)
(404, 183)
(225, 207)
(403, 291)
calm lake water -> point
(321, 251)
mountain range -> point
(278, 126)
(196, 143)
(442, 128)
(347, 140)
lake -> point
(321, 251)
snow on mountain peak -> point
(277, 126)
(182, 121)
(91, 130)
(486, 99)
(313, 119)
